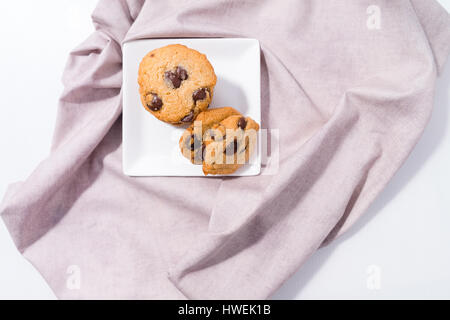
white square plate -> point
(150, 146)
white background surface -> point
(405, 234)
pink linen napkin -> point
(348, 84)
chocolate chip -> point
(173, 78)
(176, 77)
(187, 143)
(182, 73)
(212, 135)
(199, 94)
(232, 147)
(156, 103)
(199, 154)
(195, 142)
(242, 123)
(189, 117)
(203, 151)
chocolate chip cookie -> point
(221, 139)
(176, 83)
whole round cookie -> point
(221, 139)
(176, 83)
